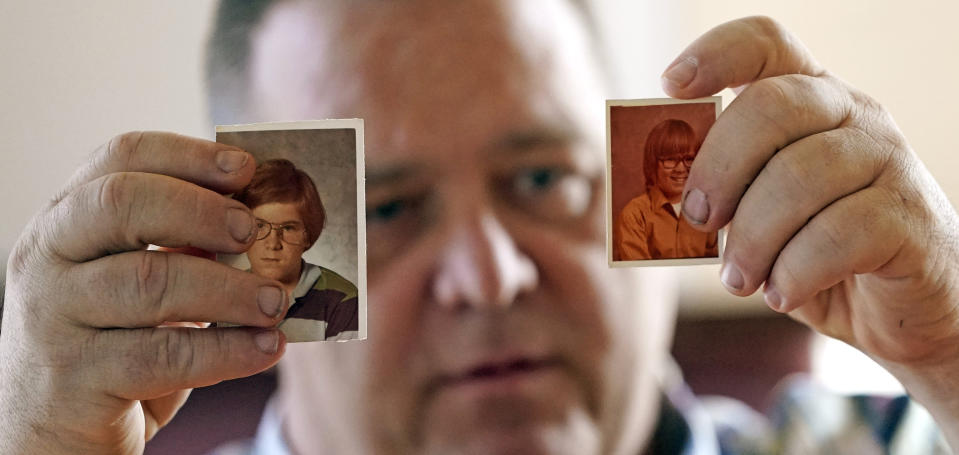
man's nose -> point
(482, 266)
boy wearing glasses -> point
(651, 226)
(289, 218)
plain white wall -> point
(76, 73)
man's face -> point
(495, 325)
(278, 255)
(672, 172)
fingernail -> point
(732, 278)
(270, 300)
(267, 341)
(772, 297)
(696, 207)
(681, 73)
(240, 224)
(230, 161)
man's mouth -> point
(501, 376)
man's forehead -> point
(422, 72)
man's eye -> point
(385, 212)
(288, 228)
(393, 225)
(537, 179)
(550, 192)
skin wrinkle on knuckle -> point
(792, 173)
(113, 201)
(770, 33)
(123, 150)
(173, 353)
(155, 278)
(771, 106)
(780, 46)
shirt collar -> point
(309, 273)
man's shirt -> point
(804, 419)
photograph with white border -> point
(308, 197)
(651, 145)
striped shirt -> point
(324, 307)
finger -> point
(147, 288)
(767, 117)
(127, 211)
(219, 167)
(737, 53)
(143, 364)
(855, 235)
(793, 186)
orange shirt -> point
(647, 228)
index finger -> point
(735, 54)
(221, 168)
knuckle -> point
(768, 27)
(771, 103)
(32, 251)
(122, 150)
(153, 278)
(793, 175)
(877, 127)
(114, 198)
(830, 233)
(23, 255)
(173, 353)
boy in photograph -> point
(651, 226)
(289, 219)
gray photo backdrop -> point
(328, 156)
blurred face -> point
(672, 173)
(278, 254)
(495, 325)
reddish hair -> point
(669, 138)
(280, 181)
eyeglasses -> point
(671, 163)
(290, 233)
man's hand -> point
(95, 351)
(827, 204)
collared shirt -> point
(649, 228)
(805, 419)
(323, 307)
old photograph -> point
(306, 196)
(651, 146)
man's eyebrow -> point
(392, 174)
(523, 140)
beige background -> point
(76, 73)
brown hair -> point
(669, 138)
(280, 181)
